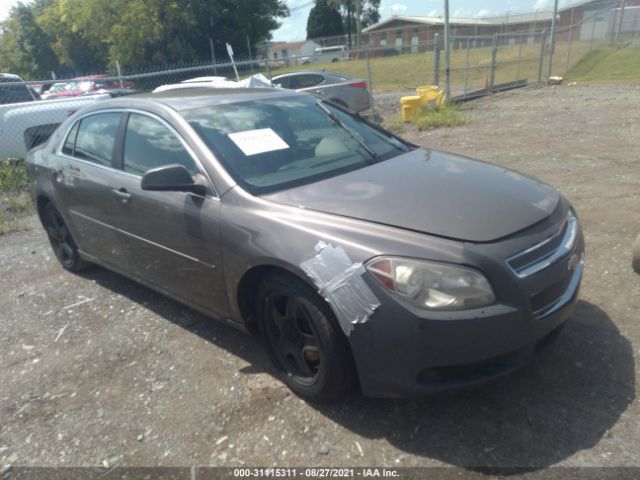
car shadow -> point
(566, 401)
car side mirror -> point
(172, 178)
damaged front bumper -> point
(403, 353)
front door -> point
(172, 239)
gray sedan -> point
(360, 258)
(348, 92)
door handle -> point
(122, 194)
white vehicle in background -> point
(26, 121)
(333, 54)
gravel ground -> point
(99, 371)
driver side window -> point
(149, 144)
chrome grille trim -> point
(565, 247)
(568, 294)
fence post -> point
(520, 40)
(119, 74)
(593, 30)
(570, 41)
(436, 59)
(621, 19)
(543, 42)
(494, 57)
(370, 83)
(466, 67)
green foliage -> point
(24, 46)
(15, 202)
(13, 176)
(324, 20)
(13, 209)
(83, 36)
(443, 116)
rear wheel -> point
(303, 339)
(61, 240)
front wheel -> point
(636, 255)
(304, 340)
(61, 240)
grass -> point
(15, 202)
(408, 71)
(608, 65)
(13, 176)
(443, 116)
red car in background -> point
(92, 84)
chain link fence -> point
(487, 55)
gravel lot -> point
(97, 370)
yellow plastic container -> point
(410, 106)
(430, 95)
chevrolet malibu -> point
(359, 257)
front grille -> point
(546, 253)
(549, 295)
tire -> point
(63, 244)
(311, 354)
(636, 255)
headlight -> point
(432, 285)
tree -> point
(89, 36)
(24, 47)
(369, 12)
(324, 20)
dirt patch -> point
(100, 371)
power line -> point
(301, 6)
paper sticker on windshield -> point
(253, 142)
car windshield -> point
(274, 144)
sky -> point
(295, 27)
(5, 6)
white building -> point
(291, 52)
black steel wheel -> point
(304, 340)
(61, 240)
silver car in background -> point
(348, 92)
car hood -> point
(432, 192)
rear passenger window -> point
(96, 138)
(70, 142)
(305, 80)
(283, 82)
(149, 144)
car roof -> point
(11, 76)
(92, 77)
(316, 72)
(188, 99)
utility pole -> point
(552, 41)
(213, 51)
(447, 52)
(358, 26)
(621, 19)
(349, 22)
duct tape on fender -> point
(340, 283)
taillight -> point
(358, 84)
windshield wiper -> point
(351, 133)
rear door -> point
(84, 176)
(172, 239)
